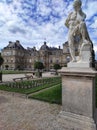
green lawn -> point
(32, 90)
(25, 91)
(52, 95)
(9, 89)
(17, 86)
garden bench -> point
(53, 73)
(27, 77)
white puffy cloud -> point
(90, 8)
(32, 21)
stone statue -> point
(75, 22)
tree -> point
(1, 62)
(39, 66)
(6, 66)
(56, 67)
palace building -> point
(17, 57)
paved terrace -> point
(19, 113)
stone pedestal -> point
(80, 64)
(78, 98)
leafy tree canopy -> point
(1, 60)
(57, 66)
(38, 65)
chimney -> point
(10, 42)
(17, 41)
(34, 48)
(44, 43)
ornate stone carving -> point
(75, 22)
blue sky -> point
(33, 21)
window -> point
(57, 61)
(8, 53)
(51, 61)
(30, 60)
(11, 59)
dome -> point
(44, 47)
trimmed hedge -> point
(31, 86)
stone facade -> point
(17, 57)
(14, 56)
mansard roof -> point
(55, 48)
(15, 45)
(45, 48)
(66, 43)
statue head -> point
(77, 4)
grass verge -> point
(19, 90)
(39, 88)
(26, 91)
(51, 95)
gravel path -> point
(10, 77)
(20, 113)
(17, 113)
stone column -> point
(78, 98)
